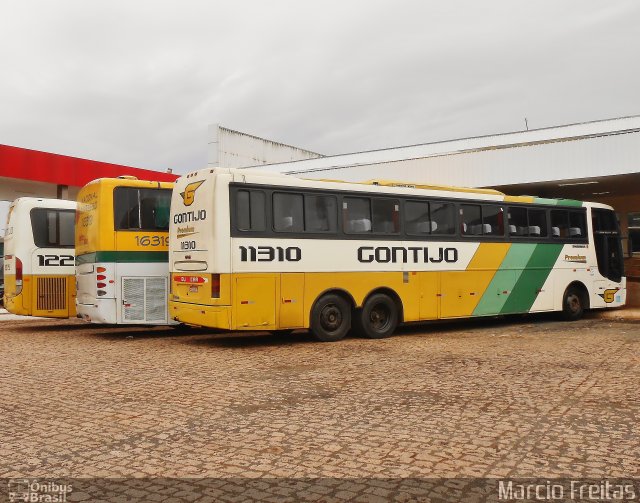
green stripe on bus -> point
(558, 202)
(536, 272)
(505, 279)
(544, 200)
(569, 202)
(123, 256)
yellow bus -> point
(251, 250)
(121, 251)
(39, 258)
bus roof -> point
(249, 174)
(41, 202)
(130, 182)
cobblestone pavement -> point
(489, 398)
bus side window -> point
(537, 223)
(386, 216)
(518, 225)
(320, 213)
(416, 218)
(493, 220)
(559, 224)
(356, 214)
(288, 213)
(443, 218)
(471, 220)
(250, 210)
(577, 224)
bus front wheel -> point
(330, 318)
(572, 304)
(378, 318)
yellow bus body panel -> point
(461, 290)
(46, 289)
(20, 303)
(272, 301)
(94, 230)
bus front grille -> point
(52, 294)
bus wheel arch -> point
(380, 314)
(330, 316)
(575, 301)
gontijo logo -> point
(609, 295)
(188, 196)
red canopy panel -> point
(59, 169)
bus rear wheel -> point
(573, 304)
(378, 318)
(330, 318)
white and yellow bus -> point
(39, 258)
(121, 246)
(250, 250)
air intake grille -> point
(133, 295)
(144, 299)
(156, 299)
(52, 294)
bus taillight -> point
(215, 286)
(101, 277)
(18, 272)
(101, 269)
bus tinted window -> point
(443, 218)
(357, 214)
(155, 207)
(386, 216)
(141, 209)
(53, 228)
(577, 224)
(320, 213)
(288, 213)
(243, 208)
(537, 223)
(518, 225)
(493, 220)
(559, 224)
(471, 220)
(416, 218)
(604, 220)
(67, 227)
(250, 210)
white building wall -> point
(233, 149)
(599, 148)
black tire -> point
(330, 318)
(378, 318)
(573, 304)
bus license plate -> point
(193, 288)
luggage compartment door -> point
(255, 302)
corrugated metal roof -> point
(569, 132)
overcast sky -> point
(137, 82)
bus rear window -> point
(53, 228)
(141, 209)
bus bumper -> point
(104, 311)
(202, 316)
